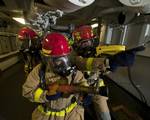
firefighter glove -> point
(121, 59)
(52, 93)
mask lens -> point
(85, 43)
(61, 65)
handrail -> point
(7, 34)
(8, 54)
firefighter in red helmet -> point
(44, 80)
(56, 45)
(29, 45)
(85, 40)
(85, 44)
(26, 33)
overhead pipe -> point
(68, 6)
(145, 4)
(118, 9)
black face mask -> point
(86, 48)
(61, 65)
(86, 52)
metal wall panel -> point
(8, 44)
(116, 35)
(133, 35)
(13, 43)
(1, 47)
(3, 44)
(108, 35)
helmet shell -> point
(55, 44)
(83, 33)
(26, 33)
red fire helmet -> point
(26, 33)
(83, 33)
(55, 44)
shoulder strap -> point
(42, 76)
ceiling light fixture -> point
(94, 19)
(94, 25)
(138, 14)
(20, 20)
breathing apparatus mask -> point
(61, 65)
(86, 48)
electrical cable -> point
(142, 97)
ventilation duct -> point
(68, 5)
(143, 4)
